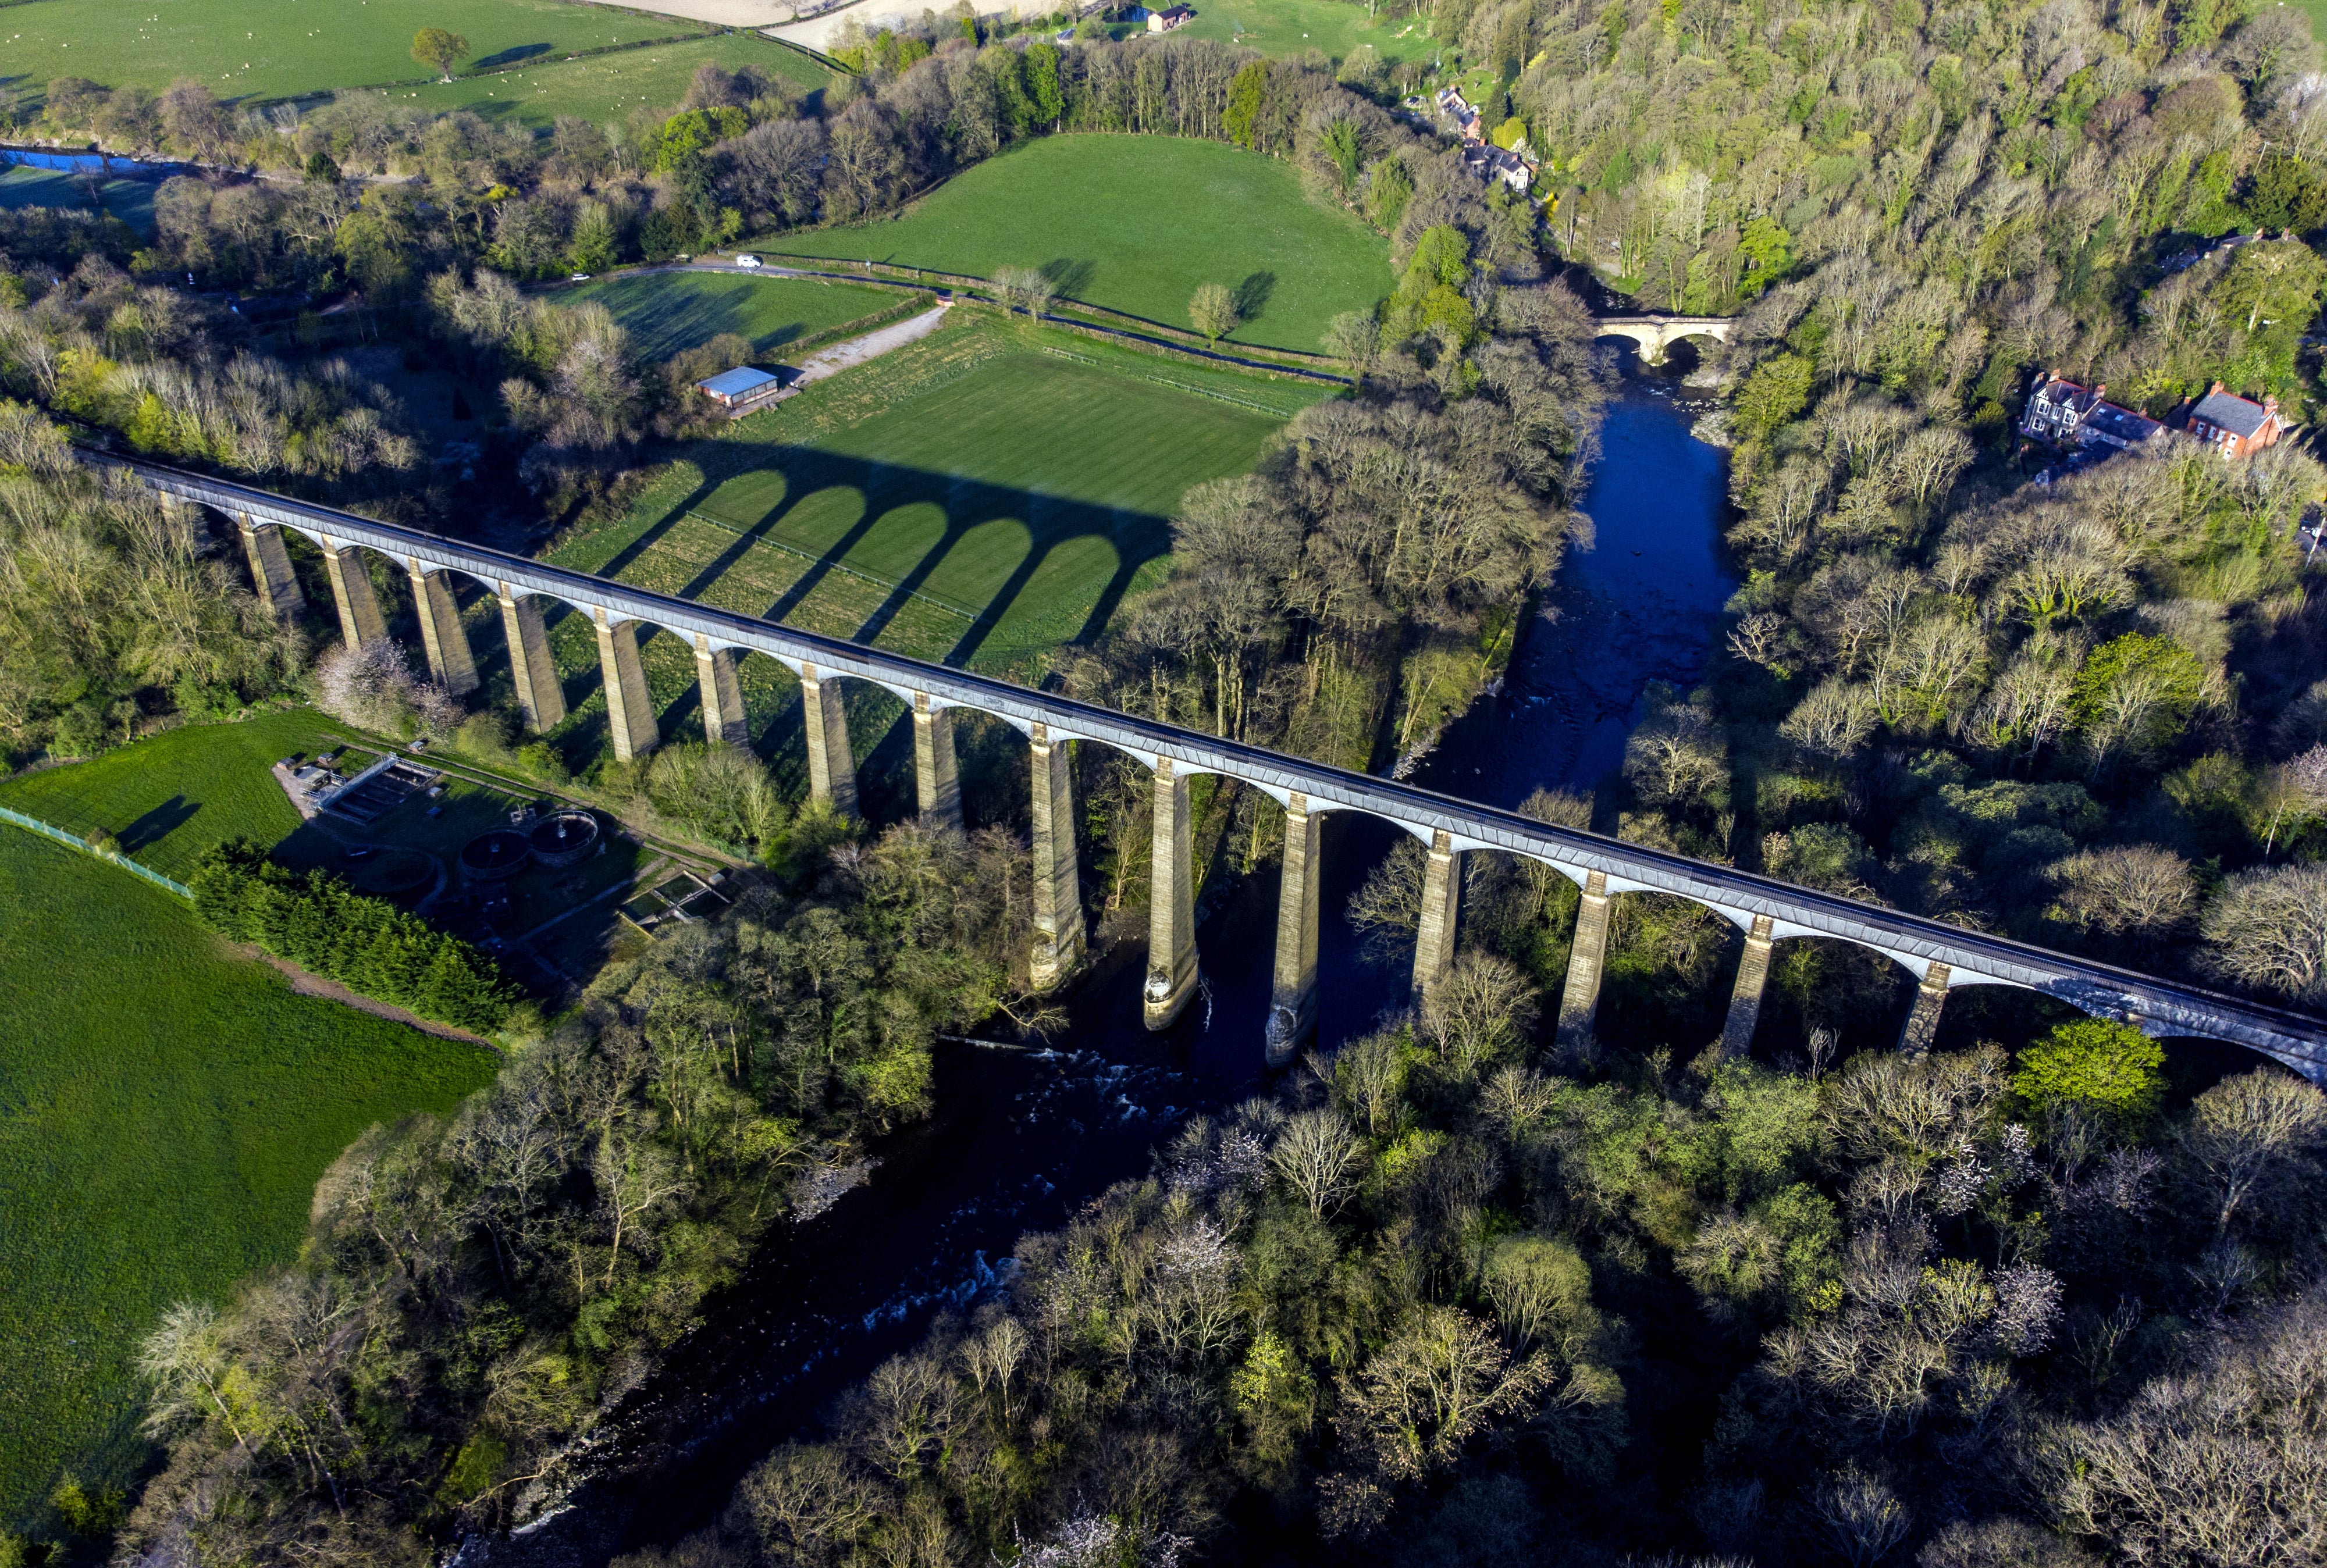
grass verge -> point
(668, 312)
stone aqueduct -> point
(1768, 911)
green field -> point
(131, 200)
(164, 1112)
(169, 798)
(666, 311)
(607, 87)
(268, 49)
(1289, 27)
(1136, 223)
(982, 497)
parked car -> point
(581, 277)
(747, 261)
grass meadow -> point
(170, 797)
(607, 87)
(1284, 28)
(165, 1110)
(668, 312)
(1136, 223)
(980, 498)
(264, 49)
(131, 200)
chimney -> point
(2100, 390)
(2218, 387)
(2270, 405)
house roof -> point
(2229, 411)
(2122, 423)
(736, 382)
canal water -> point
(1026, 1138)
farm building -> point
(741, 389)
(2233, 425)
(1165, 20)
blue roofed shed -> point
(742, 385)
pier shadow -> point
(158, 824)
(1045, 524)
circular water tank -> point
(564, 838)
(490, 856)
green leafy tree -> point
(1241, 118)
(1043, 89)
(439, 49)
(2276, 281)
(2092, 1064)
(2287, 194)
(2134, 694)
(1768, 251)
(1778, 389)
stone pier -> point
(723, 694)
(1442, 904)
(450, 662)
(1058, 878)
(1170, 903)
(1293, 991)
(1745, 1000)
(831, 765)
(1923, 1018)
(540, 694)
(270, 568)
(629, 709)
(360, 619)
(1581, 999)
(936, 776)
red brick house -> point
(2233, 425)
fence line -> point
(35, 825)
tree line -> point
(368, 944)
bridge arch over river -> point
(1656, 334)
(1941, 956)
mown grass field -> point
(607, 87)
(983, 497)
(1136, 224)
(668, 312)
(165, 1110)
(170, 797)
(265, 49)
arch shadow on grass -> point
(513, 56)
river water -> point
(1026, 1138)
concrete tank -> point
(564, 838)
(492, 856)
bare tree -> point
(1861, 1516)
(1541, 1290)
(1481, 1010)
(1318, 1156)
(1834, 721)
(2136, 887)
(1024, 288)
(2268, 930)
(1675, 757)
(1440, 1381)
(2249, 1133)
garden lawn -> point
(1136, 223)
(607, 87)
(666, 311)
(165, 1110)
(169, 798)
(268, 49)
(983, 497)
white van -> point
(747, 261)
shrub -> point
(2093, 1065)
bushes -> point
(366, 943)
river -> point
(1026, 1138)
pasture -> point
(667, 312)
(170, 797)
(165, 1110)
(131, 200)
(607, 87)
(1136, 223)
(1286, 28)
(265, 49)
(983, 497)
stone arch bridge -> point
(1654, 334)
(1941, 957)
